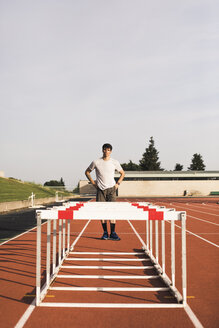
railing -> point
(158, 221)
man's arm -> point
(87, 173)
(122, 175)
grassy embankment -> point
(12, 190)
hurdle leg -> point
(60, 241)
(184, 276)
(156, 241)
(147, 234)
(48, 252)
(54, 247)
(63, 238)
(151, 237)
(173, 252)
(38, 260)
(68, 240)
(163, 245)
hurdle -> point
(155, 218)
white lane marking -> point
(194, 217)
(137, 234)
(26, 315)
(193, 317)
(191, 209)
(206, 221)
(207, 241)
(76, 240)
(21, 234)
(31, 307)
(213, 208)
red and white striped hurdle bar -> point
(110, 211)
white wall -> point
(159, 188)
(168, 188)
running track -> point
(18, 277)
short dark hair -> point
(106, 146)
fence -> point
(155, 245)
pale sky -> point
(77, 74)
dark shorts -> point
(107, 195)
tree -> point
(55, 183)
(149, 161)
(130, 166)
(178, 167)
(62, 182)
(197, 163)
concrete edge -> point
(16, 205)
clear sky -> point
(77, 74)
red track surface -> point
(18, 277)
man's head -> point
(107, 146)
(107, 149)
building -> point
(2, 174)
(163, 183)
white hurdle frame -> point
(118, 211)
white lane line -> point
(31, 307)
(207, 241)
(137, 234)
(191, 209)
(193, 317)
(206, 221)
(26, 315)
(213, 208)
(194, 217)
(21, 234)
(79, 236)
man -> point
(105, 184)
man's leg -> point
(101, 197)
(111, 197)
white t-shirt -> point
(105, 172)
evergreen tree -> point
(178, 167)
(130, 166)
(197, 163)
(62, 182)
(149, 161)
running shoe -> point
(105, 236)
(114, 236)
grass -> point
(13, 190)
